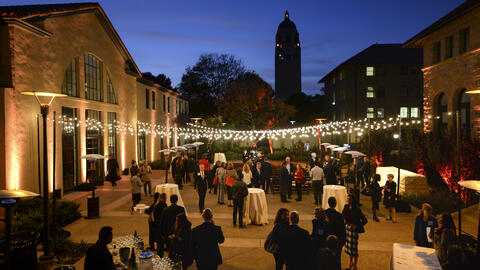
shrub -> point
(158, 164)
(68, 252)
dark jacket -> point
(182, 245)
(375, 191)
(312, 162)
(191, 166)
(98, 257)
(205, 240)
(296, 248)
(326, 259)
(169, 215)
(257, 179)
(420, 230)
(329, 171)
(266, 170)
(319, 233)
(239, 190)
(157, 212)
(336, 225)
(285, 177)
(133, 169)
(202, 184)
(277, 231)
(354, 216)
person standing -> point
(389, 195)
(326, 258)
(376, 195)
(319, 229)
(98, 256)
(318, 180)
(257, 175)
(313, 160)
(282, 221)
(202, 185)
(299, 177)
(284, 181)
(239, 192)
(112, 168)
(359, 166)
(443, 237)
(154, 221)
(290, 170)
(146, 173)
(179, 172)
(174, 164)
(204, 161)
(230, 173)
(181, 241)
(205, 240)
(245, 156)
(136, 187)
(247, 175)
(185, 169)
(266, 169)
(425, 223)
(296, 246)
(329, 170)
(221, 174)
(151, 229)
(336, 226)
(366, 170)
(191, 168)
(169, 216)
(134, 168)
(355, 220)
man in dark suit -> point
(266, 170)
(205, 240)
(284, 181)
(98, 255)
(296, 246)
(202, 184)
(257, 175)
(290, 170)
(336, 226)
(155, 213)
(169, 216)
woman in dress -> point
(247, 175)
(282, 221)
(181, 241)
(443, 237)
(233, 174)
(299, 177)
(389, 195)
(319, 229)
(221, 175)
(354, 220)
(425, 223)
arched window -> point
(111, 97)
(464, 107)
(442, 112)
(69, 85)
(93, 78)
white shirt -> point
(316, 173)
(247, 178)
(288, 168)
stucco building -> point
(451, 49)
(75, 50)
(382, 81)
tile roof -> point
(29, 11)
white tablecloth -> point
(140, 208)
(219, 156)
(337, 191)
(170, 189)
(412, 257)
(255, 210)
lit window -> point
(380, 113)
(341, 75)
(414, 112)
(370, 92)
(370, 71)
(370, 112)
(404, 112)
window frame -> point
(404, 110)
(417, 114)
(380, 110)
(464, 40)
(370, 112)
(147, 98)
(154, 101)
(69, 84)
(449, 47)
(370, 93)
(368, 69)
(93, 70)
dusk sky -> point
(165, 36)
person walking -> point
(239, 192)
(319, 229)
(202, 185)
(355, 220)
(98, 256)
(146, 173)
(181, 241)
(281, 222)
(205, 240)
(112, 170)
(318, 180)
(336, 226)
(296, 246)
(376, 195)
(221, 175)
(443, 237)
(284, 181)
(247, 175)
(425, 223)
(154, 224)
(179, 172)
(389, 197)
(168, 218)
(266, 169)
(299, 177)
(136, 187)
(231, 177)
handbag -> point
(215, 180)
(229, 181)
(270, 245)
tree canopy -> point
(161, 79)
(308, 107)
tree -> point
(249, 102)
(204, 83)
(161, 79)
(308, 107)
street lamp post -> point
(47, 98)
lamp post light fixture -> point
(196, 119)
(45, 99)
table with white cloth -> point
(219, 157)
(170, 189)
(255, 210)
(140, 208)
(337, 191)
(412, 257)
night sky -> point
(165, 36)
